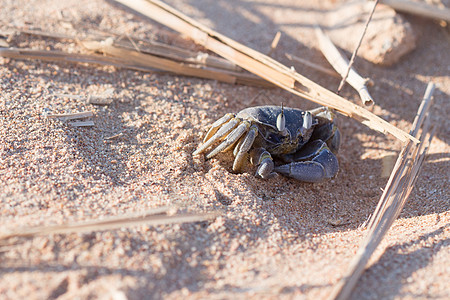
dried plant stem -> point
(274, 44)
(342, 66)
(143, 59)
(149, 47)
(260, 64)
(420, 9)
(352, 59)
(82, 124)
(134, 60)
(396, 192)
(153, 217)
(71, 116)
(137, 58)
(417, 124)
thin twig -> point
(274, 44)
(71, 116)
(153, 217)
(342, 66)
(113, 137)
(82, 124)
(352, 59)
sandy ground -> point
(274, 238)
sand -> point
(277, 238)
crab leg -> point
(238, 146)
(215, 126)
(232, 138)
(262, 158)
(320, 111)
(221, 132)
(240, 152)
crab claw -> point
(261, 158)
(323, 166)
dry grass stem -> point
(189, 63)
(20, 53)
(153, 217)
(396, 192)
(132, 59)
(149, 47)
(70, 96)
(113, 137)
(71, 116)
(260, 64)
(341, 65)
(82, 124)
(274, 44)
(53, 35)
(420, 9)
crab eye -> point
(307, 120)
(281, 122)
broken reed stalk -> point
(420, 9)
(417, 124)
(393, 199)
(342, 66)
(82, 124)
(153, 217)
(260, 64)
(149, 47)
(20, 53)
(130, 60)
(71, 116)
(134, 57)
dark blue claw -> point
(323, 166)
(330, 134)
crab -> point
(289, 141)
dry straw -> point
(153, 57)
(158, 216)
(396, 192)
